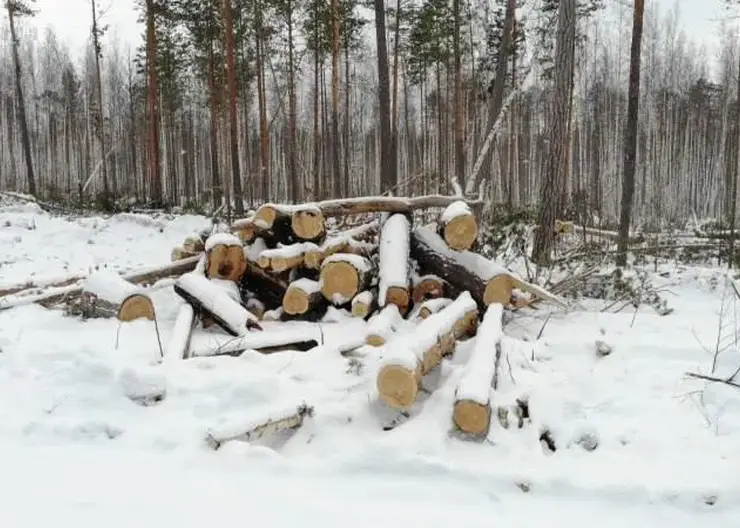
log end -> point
(428, 288)
(226, 262)
(398, 296)
(398, 386)
(498, 290)
(375, 340)
(247, 234)
(295, 301)
(461, 232)
(263, 262)
(340, 281)
(312, 259)
(472, 417)
(308, 224)
(265, 216)
(466, 326)
(178, 253)
(194, 245)
(360, 310)
(136, 307)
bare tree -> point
(233, 129)
(155, 178)
(387, 165)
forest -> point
(243, 102)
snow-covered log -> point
(429, 287)
(486, 281)
(472, 409)
(285, 257)
(255, 306)
(363, 304)
(194, 245)
(30, 285)
(207, 297)
(415, 354)
(302, 297)
(431, 306)
(225, 258)
(394, 268)
(273, 221)
(300, 338)
(383, 325)
(255, 427)
(458, 226)
(348, 241)
(178, 346)
(273, 315)
(384, 204)
(343, 276)
(106, 294)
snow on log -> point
(256, 307)
(273, 315)
(178, 346)
(302, 297)
(415, 354)
(486, 281)
(106, 294)
(274, 221)
(39, 284)
(429, 287)
(458, 226)
(269, 288)
(394, 269)
(285, 257)
(380, 204)
(255, 427)
(383, 325)
(276, 339)
(339, 243)
(211, 299)
(225, 258)
(343, 276)
(363, 303)
(431, 306)
(472, 409)
(194, 245)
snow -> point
(454, 210)
(477, 264)
(253, 251)
(360, 263)
(110, 286)
(226, 239)
(364, 297)
(289, 251)
(385, 323)
(393, 254)
(232, 427)
(306, 285)
(78, 452)
(475, 383)
(217, 300)
(181, 330)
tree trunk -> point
(151, 62)
(337, 186)
(21, 103)
(100, 116)
(551, 187)
(458, 102)
(233, 130)
(387, 169)
(630, 136)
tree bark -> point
(155, 179)
(233, 130)
(387, 169)
(100, 115)
(630, 136)
(458, 98)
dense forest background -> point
(282, 100)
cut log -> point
(208, 298)
(383, 326)
(69, 293)
(307, 222)
(415, 354)
(107, 294)
(343, 276)
(472, 409)
(486, 281)
(302, 297)
(363, 304)
(194, 245)
(255, 427)
(270, 289)
(273, 221)
(276, 339)
(39, 284)
(394, 268)
(342, 242)
(380, 204)
(225, 257)
(431, 306)
(285, 257)
(458, 226)
(178, 346)
(430, 287)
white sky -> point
(71, 19)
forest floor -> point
(78, 452)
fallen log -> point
(343, 276)
(383, 325)
(225, 257)
(255, 427)
(269, 288)
(364, 303)
(472, 408)
(178, 346)
(394, 268)
(429, 287)
(385, 204)
(255, 306)
(209, 299)
(285, 257)
(107, 294)
(418, 352)
(342, 242)
(458, 226)
(303, 296)
(40, 284)
(431, 306)
(277, 339)
(273, 221)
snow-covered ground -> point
(76, 451)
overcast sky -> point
(71, 19)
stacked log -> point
(107, 294)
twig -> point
(728, 381)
